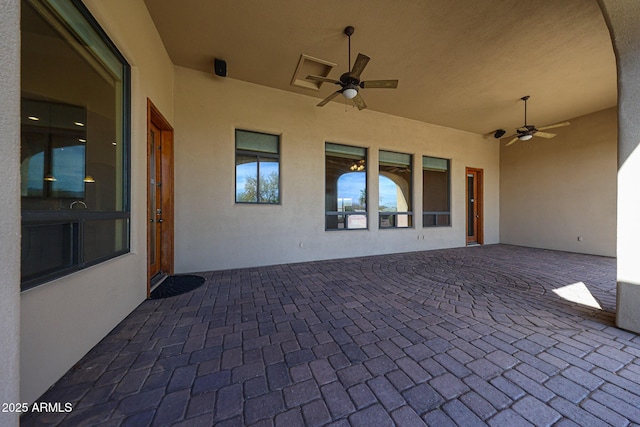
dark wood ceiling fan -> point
(526, 132)
(350, 83)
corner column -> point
(622, 19)
(9, 207)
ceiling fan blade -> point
(358, 66)
(557, 125)
(359, 102)
(328, 98)
(544, 134)
(512, 141)
(379, 84)
(323, 79)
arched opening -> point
(621, 17)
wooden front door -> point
(474, 206)
(155, 200)
(159, 196)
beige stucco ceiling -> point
(464, 64)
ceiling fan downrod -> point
(349, 32)
(524, 98)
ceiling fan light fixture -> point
(525, 137)
(350, 91)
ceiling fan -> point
(526, 132)
(350, 83)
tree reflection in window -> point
(257, 167)
(268, 188)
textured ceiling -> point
(463, 64)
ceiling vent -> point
(308, 65)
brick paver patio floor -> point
(470, 336)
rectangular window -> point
(394, 190)
(257, 167)
(345, 187)
(74, 142)
(436, 211)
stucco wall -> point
(553, 191)
(212, 232)
(10, 206)
(64, 319)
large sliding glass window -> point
(345, 187)
(74, 142)
(257, 167)
(394, 189)
(436, 211)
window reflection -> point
(53, 154)
(257, 167)
(74, 142)
(394, 190)
(346, 187)
(436, 211)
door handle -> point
(160, 220)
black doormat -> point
(177, 285)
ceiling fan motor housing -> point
(347, 78)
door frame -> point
(479, 204)
(166, 152)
